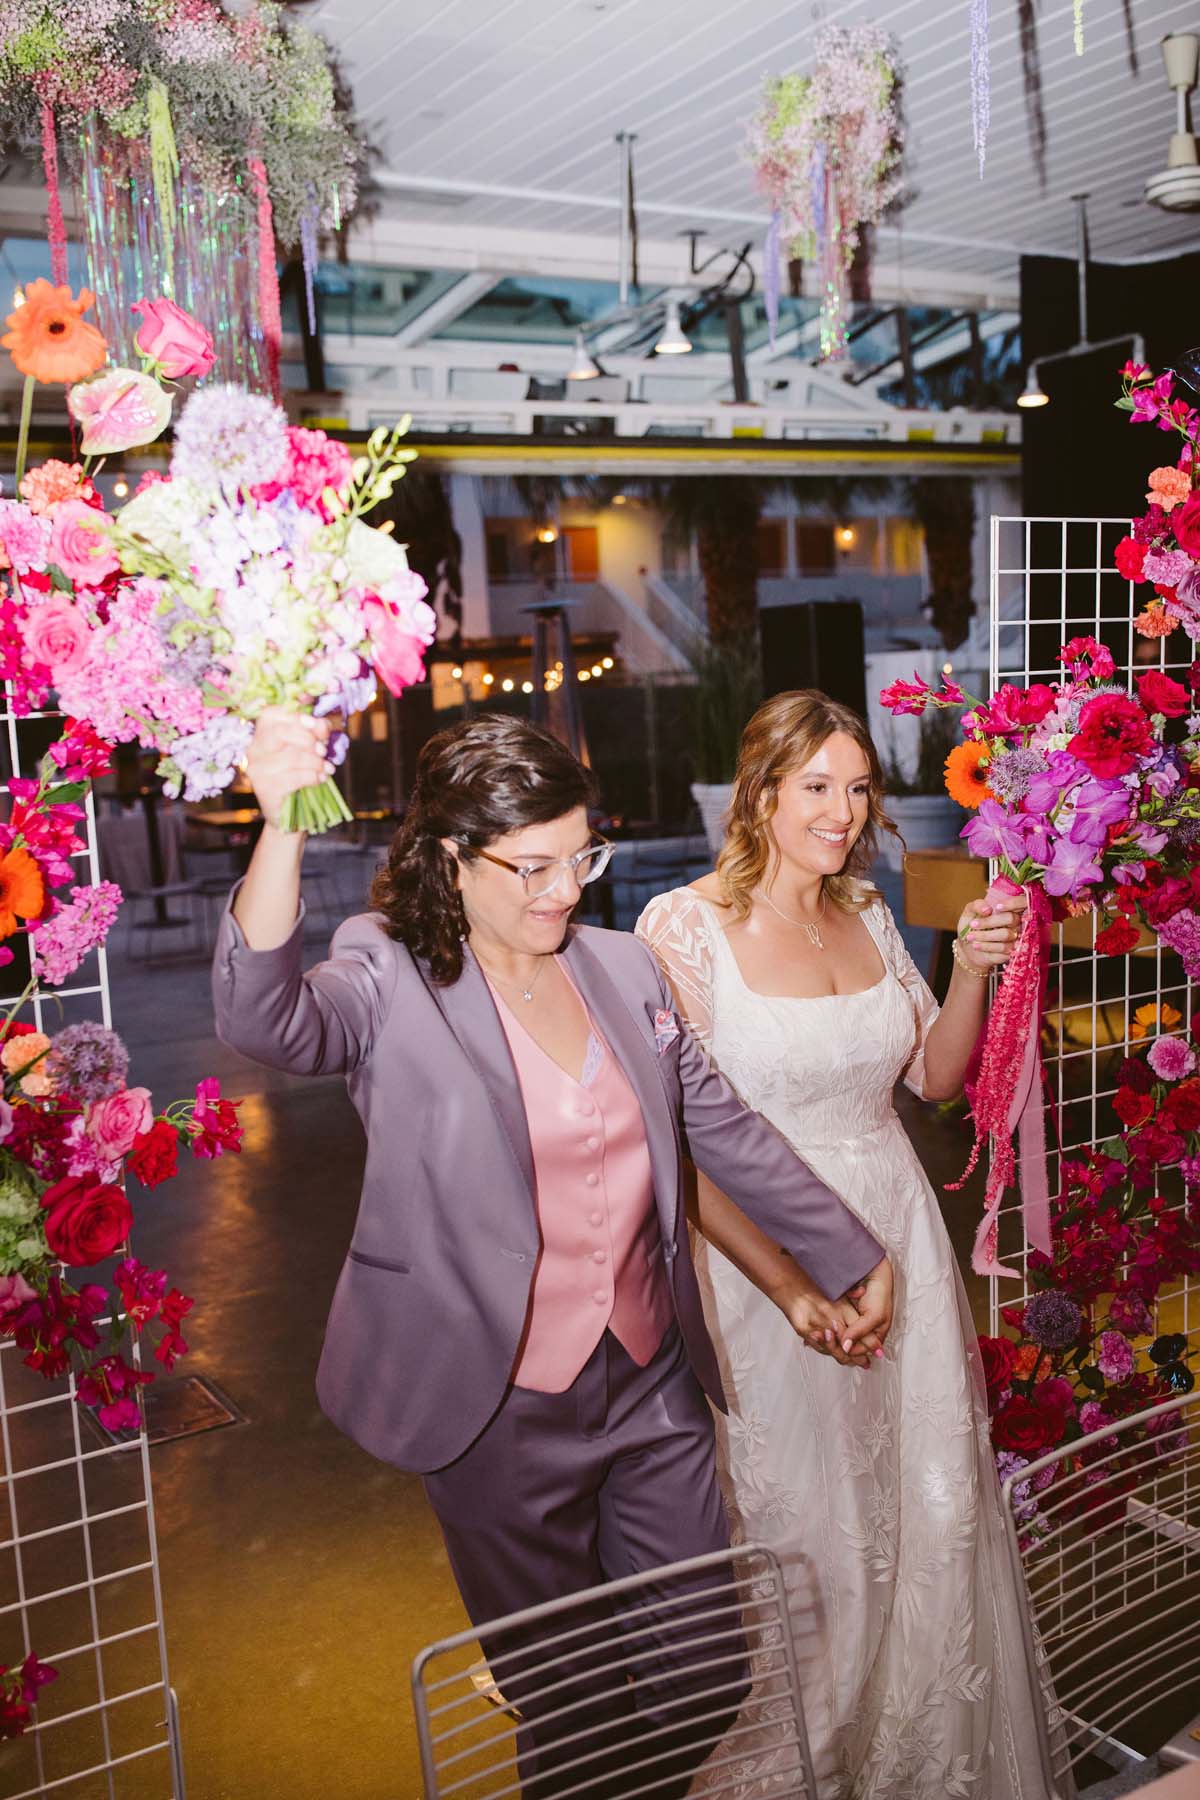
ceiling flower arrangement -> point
(197, 81)
(826, 149)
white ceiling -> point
(496, 120)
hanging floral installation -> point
(192, 139)
(826, 150)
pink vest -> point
(601, 1259)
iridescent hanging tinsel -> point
(1079, 27)
(215, 252)
(981, 78)
(164, 172)
(310, 220)
(268, 275)
(771, 253)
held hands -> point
(286, 752)
(851, 1329)
(988, 930)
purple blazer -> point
(431, 1302)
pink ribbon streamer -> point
(268, 275)
(56, 225)
(1006, 1092)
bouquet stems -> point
(315, 809)
(23, 431)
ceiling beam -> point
(448, 306)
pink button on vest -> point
(601, 1262)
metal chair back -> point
(728, 1611)
(1104, 1533)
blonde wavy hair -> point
(783, 736)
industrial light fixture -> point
(583, 367)
(673, 340)
(1177, 187)
(1032, 395)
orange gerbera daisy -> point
(22, 894)
(1153, 1018)
(49, 337)
(966, 774)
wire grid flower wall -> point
(79, 1576)
(1052, 580)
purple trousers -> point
(561, 1492)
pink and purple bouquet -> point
(1163, 550)
(250, 581)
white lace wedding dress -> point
(877, 1488)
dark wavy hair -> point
(476, 782)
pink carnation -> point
(1171, 1059)
(25, 538)
(1166, 567)
(315, 462)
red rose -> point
(1182, 1105)
(1116, 939)
(85, 1220)
(1026, 1427)
(1131, 1108)
(155, 1154)
(1134, 1073)
(1159, 694)
(1129, 558)
(1185, 523)
(1113, 732)
(999, 1356)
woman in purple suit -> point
(518, 1317)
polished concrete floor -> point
(299, 1575)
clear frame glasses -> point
(541, 878)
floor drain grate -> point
(179, 1408)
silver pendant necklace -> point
(525, 992)
(811, 927)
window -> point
(772, 559)
(581, 552)
(814, 547)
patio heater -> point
(553, 674)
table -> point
(241, 824)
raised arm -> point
(323, 1022)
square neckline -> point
(803, 999)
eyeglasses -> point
(542, 878)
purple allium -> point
(1052, 1320)
(89, 1061)
(1009, 776)
(1171, 1059)
(228, 439)
(1115, 1360)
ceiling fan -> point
(1177, 187)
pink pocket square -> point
(666, 1029)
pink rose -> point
(398, 638)
(15, 1291)
(173, 339)
(80, 544)
(113, 1123)
(57, 635)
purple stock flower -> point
(1182, 933)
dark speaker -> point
(815, 644)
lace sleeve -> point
(925, 1008)
(675, 929)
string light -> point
(120, 487)
(456, 673)
(508, 684)
(584, 675)
(18, 297)
(527, 687)
(607, 662)
(488, 679)
(597, 670)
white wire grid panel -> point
(79, 1577)
(1052, 580)
(676, 1642)
(1113, 1576)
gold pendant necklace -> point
(811, 927)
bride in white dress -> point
(875, 1485)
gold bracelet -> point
(959, 955)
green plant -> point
(939, 734)
(728, 688)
